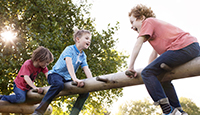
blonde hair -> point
(78, 33)
(141, 10)
(42, 54)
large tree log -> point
(118, 80)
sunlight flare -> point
(8, 36)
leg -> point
(18, 97)
(171, 94)
(79, 103)
(57, 84)
(183, 55)
(153, 85)
(171, 58)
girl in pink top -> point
(24, 81)
(174, 46)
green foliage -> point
(50, 23)
(146, 108)
(138, 108)
(189, 106)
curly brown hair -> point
(141, 10)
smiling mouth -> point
(134, 28)
(87, 44)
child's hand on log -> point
(39, 90)
(79, 83)
(131, 73)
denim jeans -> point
(172, 58)
(57, 84)
(18, 97)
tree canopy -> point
(50, 23)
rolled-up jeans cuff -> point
(162, 101)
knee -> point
(144, 73)
(59, 86)
(149, 71)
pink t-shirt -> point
(164, 36)
(30, 70)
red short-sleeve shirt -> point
(28, 69)
(164, 36)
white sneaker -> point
(174, 112)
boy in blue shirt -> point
(64, 70)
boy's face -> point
(85, 40)
(136, 23)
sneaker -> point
(174, 112)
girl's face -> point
(43, 64)
(84, 41)
(136, 23)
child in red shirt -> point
(24, 81)
(174, 46)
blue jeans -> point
(172, 58)
(57, 84)
(18, 97)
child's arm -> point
(135, 53)
(153, 56)
(87, 71)
(70, 68)
(31, 84)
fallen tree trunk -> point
(118, 80)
